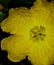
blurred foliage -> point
(7, 4)
(1, 16)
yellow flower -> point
(33, 35)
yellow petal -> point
(16, 46)
(41, 55)
(17, 22)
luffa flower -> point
(32, 34)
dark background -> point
(7, 4)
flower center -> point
(37, 33)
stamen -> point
(37, 33)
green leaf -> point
(1, 16)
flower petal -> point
(41, 54)
(16, 46)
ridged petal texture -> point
(19, 45)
